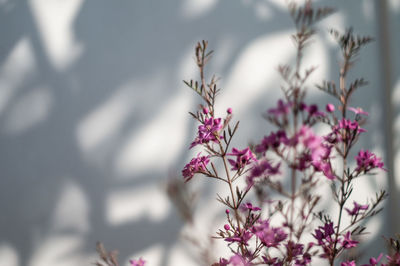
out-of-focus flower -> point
(139, 262)
(282, 109)
(272, 141)
(357, 208)
(268, 235)
(374, 261)
(330, 108)
(358, 111)
(348, 263)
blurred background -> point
(93, 115)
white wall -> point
(93, 113)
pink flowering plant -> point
(286, 167)
(272, 205)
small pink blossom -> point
(262, 168)
(139, 262)
(358, 111)
(330, 108)
(268, 235)
(348, 263)
(242, 237)
(282, 109)
(272, 141)
(229, 110)
(196, 165)
(249, 206)
(311, 109)
(349, 125)
(357, 208)
(243, 158)
(347, 242)
(294, 249)
(238, 260)
(374, 261)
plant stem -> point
(234, 203)
(343, 197)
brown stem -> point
(343, 72)
(234, 203)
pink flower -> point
(357, 208)
(312, 142)
(271, 261)
(325, 168)
(223, 262)
(373, 261)
(358, 111)
(394, 259)
(282, 109)
(318, 154)
(229, 110)
(345, 131)
(238, 260)
(273, 141)
(324, 236)
(367, 161)
(239, 237)
(139, 262)
(324, 233)
(347, 242)
(330, 108)
(348, 263)
(196, 165)
(349, 125)
(243, 158)
(294, 249)
(227, 227)
(249, 206)
(311, 109)
(262, 168)
(208, 131)
(269, 236)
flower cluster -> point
(208, 131)
(196, 165)
(366, 161)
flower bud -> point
(330, 108)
